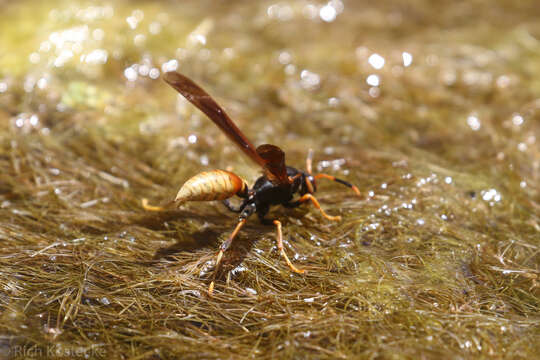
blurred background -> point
(432, 108)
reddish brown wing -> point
(275, 168)
(270, 157)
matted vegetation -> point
(439, 257)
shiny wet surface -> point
(432, 110)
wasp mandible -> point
(277, 186)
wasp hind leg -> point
(231, 207)
(222, 249)
(246, 212)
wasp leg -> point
(222, 249)
(148, 207)
(231, 207)
(309, 184)
(291, 179)
(309, 161)
(343, 182)
(246, 212)
(262, 210)
(309, 197)
(279, 239)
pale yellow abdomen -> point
(210, 185)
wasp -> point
(277, 186)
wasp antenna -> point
(342, 182)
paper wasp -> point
(277, 186)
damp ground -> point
(431, 109)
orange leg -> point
(291, 179)
(279, 239)
(309, 197)
(222, 249)
(333, 178)
(148, 207)
(309, 161)
(309, 184)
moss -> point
(437, 259)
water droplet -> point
(170, 65)
(132, 22)
(333, 102)
(473, 122)
(407, 59)
(328, 13)
(376, 61)
(42, 83)
(144, 69)
(63, 58)
(204, 160)
(309, 80)
(284, 57)
(290, 69)
(251, 291)
(154, 73)
(282, 12)
(130, 73)
(96, 57)
(374, 92)
(373, 80)
(491, 195)
(517, 119)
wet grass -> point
(439, 257)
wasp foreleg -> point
(309, 197)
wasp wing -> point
(269, 157)
(274, 167)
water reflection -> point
(377, 61)
(407, 59)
